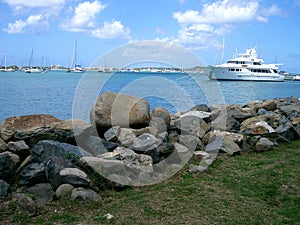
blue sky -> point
(51, 27)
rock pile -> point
(126, 145)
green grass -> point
(254, 188)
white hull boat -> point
(246, 67)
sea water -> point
(71, 95)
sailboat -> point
(31, 69)
(76, 68)
(5, 69)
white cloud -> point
(219, 12)
(111, 30)
(84, 20)
(33, 24)
(202, 28)
(84, 17)
(16, 27)
(34, 3)
(265, 13)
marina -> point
(53, 92)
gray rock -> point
(112, 133)
(200, 114)
(263, 111)
(291, 110)
(264, 144)
(163, 114)
(15, 158)
(64, 190)
(201, 107)
(114, 109)
(4, 188)
(158, 126)
(288, 132)
(235, 137)
(32, 174)
(183, 152)
(42, 192)
(126, 136)
(145, 142)
(192, 142)
(192, 125)
(222, 118)
(56, 156)
(165, 150)
(104, 167)
(130, 158)
(205, 160)
(19, 148)
(222, 143)
(7, 167)
(3, 146)
(74, 176)
(25, 204)
(95, 146)
(85, 195)
(65, 154)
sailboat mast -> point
(5, 61)
(31, 57)
(75, 54)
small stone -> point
(264, 144)
(63, 190)
(85, 195)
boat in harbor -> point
(5, 68)
(30, 68)
(246, 67)
(76, 68)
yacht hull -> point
(217, 73)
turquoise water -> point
(65, 94)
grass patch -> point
(254, 188)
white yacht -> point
(246, 67)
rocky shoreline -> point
(43, 158)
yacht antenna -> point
(223, 46)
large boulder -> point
(19, 123)
(55, 156)
(113, 109)
(69, 131)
